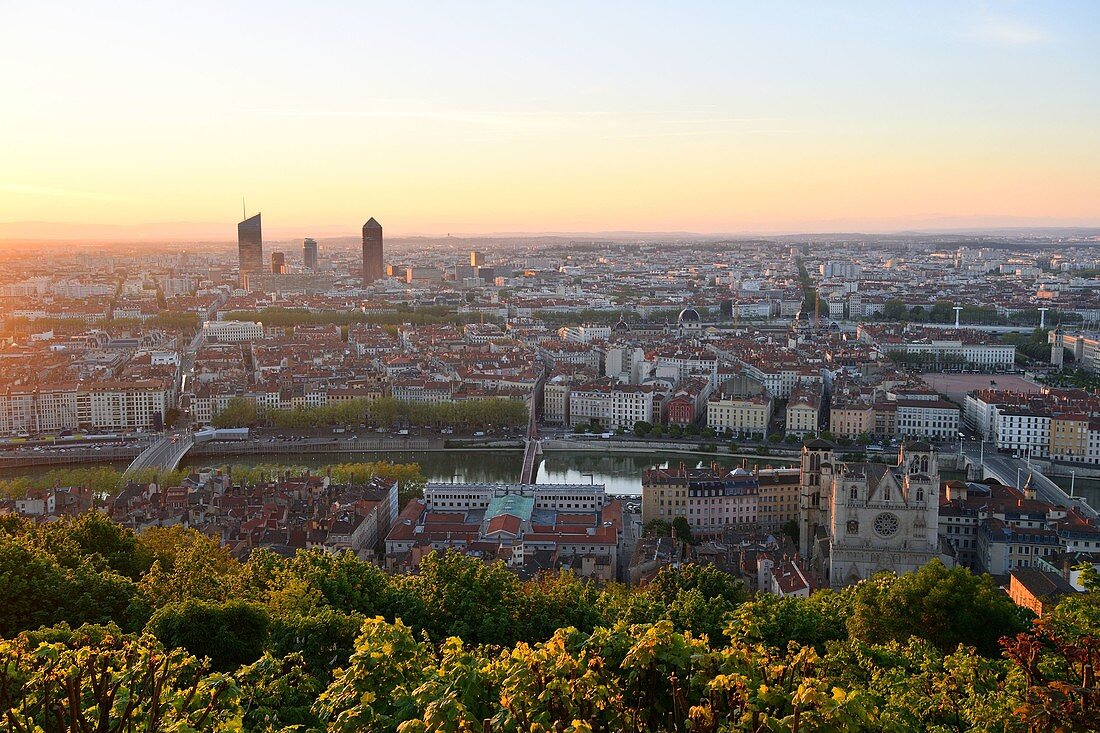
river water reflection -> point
(620, 473)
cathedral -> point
(857, 519)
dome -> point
(621, 325)
(689, 315)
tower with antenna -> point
(250, 249)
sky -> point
(468, 118)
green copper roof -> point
(514, 504)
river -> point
(621, 473)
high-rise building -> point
(477, 259)
(309, 254)
(250, 249)
(372, 252)
(278, 263)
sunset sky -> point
(553, 116)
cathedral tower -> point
(816, 480)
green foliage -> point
(278, 692)
(99, 679)
(386, 413)
(167, 320)
(375, 691)
(322, 642)
(773, 621)
(421, 316)
(945, 607)
(229, 634)
(699, 598)
(325, 638)
(790, 528)
(682, 529)
(186, 565)
(39, 590)
(101, 479)
(469, 599)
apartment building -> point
(803, 411)
(609, 404)
(777, 498)
(107, 405)
(927, 417)
(708, 498)
(232, 332)
(746, 414)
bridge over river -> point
(1016, 472)
(164, 454)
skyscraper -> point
(372, 252)
(477, 259)
(309, 254)
(278, 263)
(250, 249)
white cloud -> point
(1004, 32)
(27, 189)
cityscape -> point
(804, 469)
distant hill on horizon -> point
(213, 232)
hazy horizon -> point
(216, 233)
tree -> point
(555, 600)
(657, 528)
(186, 564)
(99, 679)
(697, 598)
(945, 607)
(775, 622)
(457, 595)
(375, 690)
(32, 588)
(790, 528)
(278, 693)
(895, 310)
(642, 428)
(324, 637)
(238, 413)
(682, 529)
(1061, 690)
(229, 634)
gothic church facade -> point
(857, 519)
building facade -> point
(250, 249)
(309, 254)
(372, 252)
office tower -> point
(250, 249)
(372, 252)
(278, 263)
(309, 254)
(396, 271)
(477, 259)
